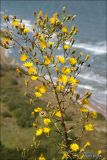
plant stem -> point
(62, 117)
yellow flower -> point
(42, 89)
(39, 132)
(60, 87)
(46, 130)
(61, 59)
(94, 114)
(28, 64)
(32, 70)
(85, 101)
(15, 23)
(52, 20)
(43, 44)
(23, 57)
(66, 70)
(46, 60)
(5, 40)
(42, 157)
(65, 156)
(89, 127)
(58, 114)
(74, 147)
(63, 78)
(42, 37)
(66, 46)
(38, 94)
(65, 29)
(84, 110)
(41, 23)
(72, 80)
(99, 152)
(34, 124)
(46, 121)
(87, 57)
(26, 30)
(38, 109)
(5, 17)
(33, 78)
(40, 13)
(72, 61)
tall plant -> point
(39, 60)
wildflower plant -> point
(39, 59)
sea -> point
(91, 39)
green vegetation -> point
(14, 99)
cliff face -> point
(5, 60)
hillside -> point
(16, 119)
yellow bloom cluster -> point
(33, 78)
(63, 78)
(61, 59)
(15, 23)
(46, 121)
(93, 114)
(40, 90)
(41, 157)
(54, 20)
(28, 64)
(5, 40)
(38, 109)
(58, 114)
(47, 61)
(85, 101)
(38, 94)
(5, 17)
(89, 127)
(40, 131)
(66, 47)
(43, 44)
(26, 30)
(72, 61)
(99, 152)
(60, 87)
(84, 110)
(74, 147)
(72, 80)
(32, 70)
(23, 57)
(66, 70)
(65, 156)
(65, 29)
